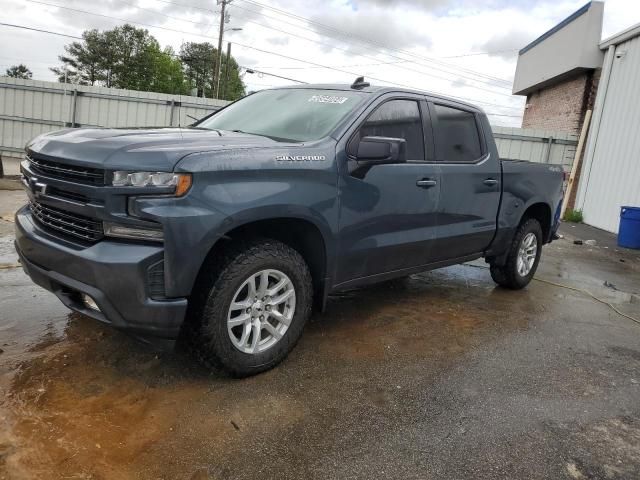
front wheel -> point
(523, 258)
(250, 311)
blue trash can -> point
(629, 231)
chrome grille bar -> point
(68, 223)
(94, 176)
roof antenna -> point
(360, 83)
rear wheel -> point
(523, 258)
(250, 311)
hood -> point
(141, 149)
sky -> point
(464, 48)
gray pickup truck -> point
(229, 232)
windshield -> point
(286, 115)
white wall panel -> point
(613, 179)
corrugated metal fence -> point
(540, 146)
(30, 107)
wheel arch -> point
(299, 232)
(540, 211)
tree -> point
(169, 73)
(231, 84)
(19, 71)
(131, 58)
(86, 62)
(198, 60)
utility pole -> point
(216, 65)
(225, 90)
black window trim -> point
(484, 154)
(425, 116)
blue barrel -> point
(629, 232)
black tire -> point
(207, 335)
(507, 275)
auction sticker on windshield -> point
(327, 99)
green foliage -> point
(574, 216)
(169, 73)
(19, 71)
(199, 60)
(231, 84)
(131, 58)
(85, 61)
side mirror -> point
(381, 151)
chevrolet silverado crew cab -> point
(229, 232)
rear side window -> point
(397, 119)
(457, 135)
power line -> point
(369, 41)
(387, 54)
(402, 60)
(482, 53)
(180, 31)
(114, 18)
(155, 12)
(372, 78)
(39, 30)
(263, 51)
(337, 66)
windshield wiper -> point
(208, 129)
(276, 139)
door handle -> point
(490, 181)
(426, 183)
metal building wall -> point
(30, 107)
(612, 164)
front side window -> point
(398, 119)
(291, 114)
(457, 135)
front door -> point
(388, 216)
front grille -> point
(64, 171)
(71, 224)
(78, 197)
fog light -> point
(90, 302)
(139, 233)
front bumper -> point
(113, 273)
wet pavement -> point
(440, 375)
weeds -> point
(574, 216)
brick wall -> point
(563, 107)
(558, 107)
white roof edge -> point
(623, 36)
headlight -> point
(181, 181)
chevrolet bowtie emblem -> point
(38, 188)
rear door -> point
(469, 181)
(388, 215)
